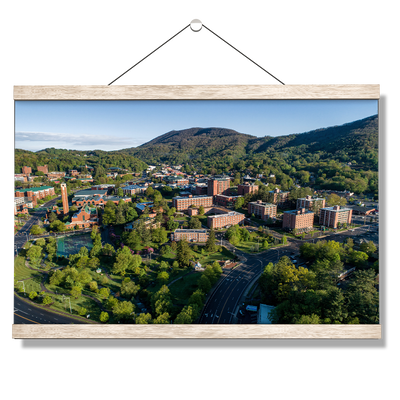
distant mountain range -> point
(205, 143)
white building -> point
(263, 314)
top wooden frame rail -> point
(199, 92)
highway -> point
(26, 312)
(222, 303)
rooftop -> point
(224, 215)
(301, 212)
(89, 192)
(191, 230)
(200, 196)
(264, 204)
(336, 208)
(35, 189)
(129, 187)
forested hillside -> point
(62, 160)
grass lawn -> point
(31, 278)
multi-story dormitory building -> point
(191, 235)
(301, 220)
(36, 193)
(183, 203)
(247, 188)
(225, 220)
(279, 197)
(331, 216)
(262, 210)
(218, 186)
(311, 203)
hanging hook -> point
(196, 25)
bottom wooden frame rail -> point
(22, 331)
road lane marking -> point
(27, 319)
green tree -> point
(104, 317)
(47, 300)
(239, 203)
(108, 250)
(123, 310)
(197, 298)
(93, 286)
(183, 254)
(210, 244)
(194, 223)
(104, 293)
(143, 318)
(36, 230)
(123, 261)
(161, 301)
(82, 311)
(163, 277)
(186, 316)
(362, 297)
(134, 240)
(309, 319)
(159, 235)
(368, 247)
(76, 291)
(129, 288)
(32, 295)
(204, 284)
(162, 319)
(335, 200)
(40, 242)
(358, 258)
(201, 211)
(35, 255)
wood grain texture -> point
(196, 331)
(197, 92)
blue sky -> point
(114, 125)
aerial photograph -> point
(196, 212)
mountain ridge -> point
(197, 143)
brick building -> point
(262, 210)
(279, 197)
(56, 175)
(180, 181)
(191, 235)
(84, 218)
(218, 186)
(247, 188)
(200, 190)
(26, 170)
(332, 216)
(36, 193)
(43, 168)
(225, 201)
(225, 220)
(95, 200)
(311, 203)
(133, 189)
(183, 203)
(301, 220)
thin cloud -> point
(91, 141)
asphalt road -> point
(22, 235)
(27, 313)
(221, 304)
(24, 311)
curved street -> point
(223, 301)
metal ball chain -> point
(200, 27)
